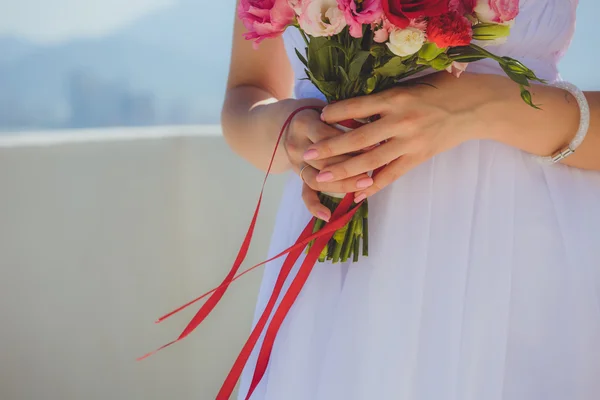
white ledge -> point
(54, 137)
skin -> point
(421, 121)
(258, 102)
(417, 123)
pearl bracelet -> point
(584, 124)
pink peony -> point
(463, 7)
(265, 18)
(359, 13)
(497, 11)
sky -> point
(59, 20)
(50, 21)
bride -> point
(483, 279)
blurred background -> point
(120, 201)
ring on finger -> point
(302, 172)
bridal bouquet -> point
(354, 48)
(358, 47)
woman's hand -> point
(305, 129)
(416, 123)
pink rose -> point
(359, 13)
(463, 6)
(265, 18)
(381, 30)
(497, 11)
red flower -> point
(400, 12)
(449, 30)
(463, 6)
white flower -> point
(406, 42)
(321, 18)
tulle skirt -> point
(482, 283)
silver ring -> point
(302, 172)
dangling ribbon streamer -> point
(340, 217)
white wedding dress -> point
(483, 279)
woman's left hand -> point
(416, 123)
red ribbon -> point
(341, 216)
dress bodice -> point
(542, 32)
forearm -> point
(542, 132)
(249, 131)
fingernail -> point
(322, 117)
(324, 176)
(364, 183)
(323, 216)
(311, 154)
(360, 198)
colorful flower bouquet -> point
(358, 47)
(354, 48)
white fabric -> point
(483, 280)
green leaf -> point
(336, 45)
(329, 89)
(301, 57)
(378, 51)
(430, 51)
(356, 64)
(441, 62)
(392, 68)
(344, 76)
(318, 60)
(370, 84)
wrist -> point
(473, 100)
(493, 107)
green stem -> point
(348, 240)
(420, 68)
(356, 250)
(486, 53)
(304, 37)
(323, 254)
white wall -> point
(101, 233)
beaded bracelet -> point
(584, 124)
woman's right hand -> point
(305, 129)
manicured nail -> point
(323, 216)
(360, 198)
(311, 154)
(364, 183)
(324, 177)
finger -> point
(356, 107)
(354, 141)
(321, 131)
(313, 204)
(349, 185)
(322, 164)
(363, 163)
(392, 172)
(307, 124)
